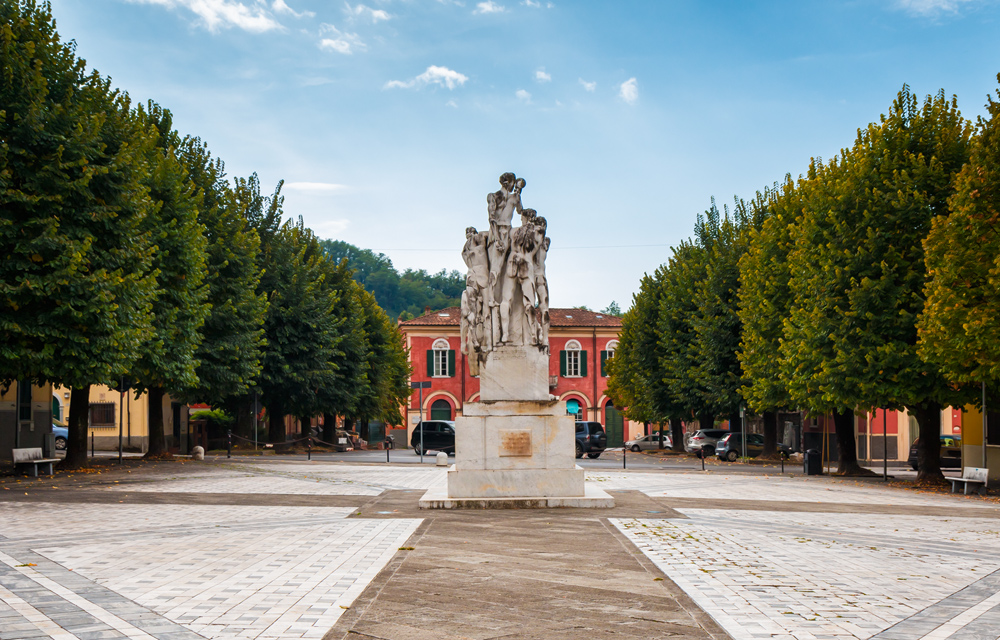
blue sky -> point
(390, 120)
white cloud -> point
(452, 104)
(931, 7)
(279, 6)
(629, 91)
(589, 86)
(532, 4)
(434, 75)
(361, 11)
(218, 14)
(330, 228)
(523, 95)
(314, 187)
(489, 7)
(541, 76)
(339, 41)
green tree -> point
(764, 299)
(74, 259)
(167, 362)
(613, 310)
(634, 375)
(228, 356)
(677, 337)
(960, 324)
(857, 274)
(387, 365)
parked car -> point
(61, 432)
(590, 439)
(703, 441)
(951, 453)
(645, 443)
(439, 435)
(730, 446)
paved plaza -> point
(265, 548)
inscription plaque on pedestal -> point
(515, 443)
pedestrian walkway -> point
(275, 549)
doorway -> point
(614, 426)
(441, 410)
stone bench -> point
(971, 476)
(32, 456)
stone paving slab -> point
(281, 549)
(796, 575)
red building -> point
(580, 343)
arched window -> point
(440, 360)
(573, 361)
(607, 354)
(573, 406)
(441, 410)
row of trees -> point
(126, 253)
(869, 282)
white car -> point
(645, 443)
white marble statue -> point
(505, 302)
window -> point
(573, 361)
(607, 354)
(24, 400)
(441, 360)
(102, 414)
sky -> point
(390, 121)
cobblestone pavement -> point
(763, 556)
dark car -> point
(730, 447)
(702, 442)
(590, 439)
(951, 453)
(439, 435)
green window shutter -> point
(583, 364)
(604, 360)
(562, 364)
(451, 363)
(430, 363)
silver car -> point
(645, 443)
(703, 441)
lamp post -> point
(421, 386)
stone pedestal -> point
(515, 455)
(515, 373)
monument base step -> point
(593, 498)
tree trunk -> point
(848, 445)
(243, 408)
(770, 434)
(706, 420)
(928, 418)
(79, 418)
(349, 424)
(157, 438)
(677, 434)
(735, 421)
(329, 427)
(275, 422)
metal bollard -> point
(91, 444)
(229, 443)
(387, 447)
(782, 456)
(309, 446)
(624, 455)
(702, 456)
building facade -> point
(580, 344)
(25, 417)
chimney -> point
(427, 311)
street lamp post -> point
(421, 386)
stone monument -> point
(515, 447)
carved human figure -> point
(501, 206)
(541, 284)
(520, 277)
(476, 260)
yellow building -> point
(109, 409)
(25, 418)
(973, 454)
